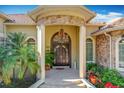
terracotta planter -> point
(47, 67)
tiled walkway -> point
(64, 78)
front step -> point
(61, 67)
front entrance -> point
(61, 46)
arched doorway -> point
(61, 46)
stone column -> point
(82, 51)
(41, 51)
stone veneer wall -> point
(102, 50)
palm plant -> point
(8, 61)
(27, 61)
(17, 55)
(16, 40)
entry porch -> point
(72, 19)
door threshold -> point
(61, 67)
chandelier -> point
(61, 37)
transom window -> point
(89, 50)
(121, 53)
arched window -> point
(89, 50)
(31, 41)
(121, 53)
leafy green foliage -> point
(17, 55)
(105, 75)
(112, 76)
(49, 57)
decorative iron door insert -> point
(61, 45)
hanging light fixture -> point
(61, 37)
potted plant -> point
(49, 57)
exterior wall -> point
(103, 50)
(115, 36)
(29, 30)
(1, 30)
(73, 32)
(1, 25)
(61, 19)
(91, 29)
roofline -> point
(89, 11)
(4, 15)
(80, 6)
(95, 24)
(107, 30)
(17, 24)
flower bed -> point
(104, 77)
(19, 83)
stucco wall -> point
(1, 24)
(29, 30)
(91, 29)
(102, 50)
(72, 31)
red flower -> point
(99, 80)
(92, 76)
(108, 85)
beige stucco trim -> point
(94, 49)
(108, 30)
(48, 6)
(82, 52)
(117, 55)
(18, 24)
(41, 51)
(4, 16)
(95, 24)
(73, 10)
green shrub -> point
(106, 75)
(49, 58)
(89, 66)
(113, 76)
(97, 69)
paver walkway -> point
(64, 78)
